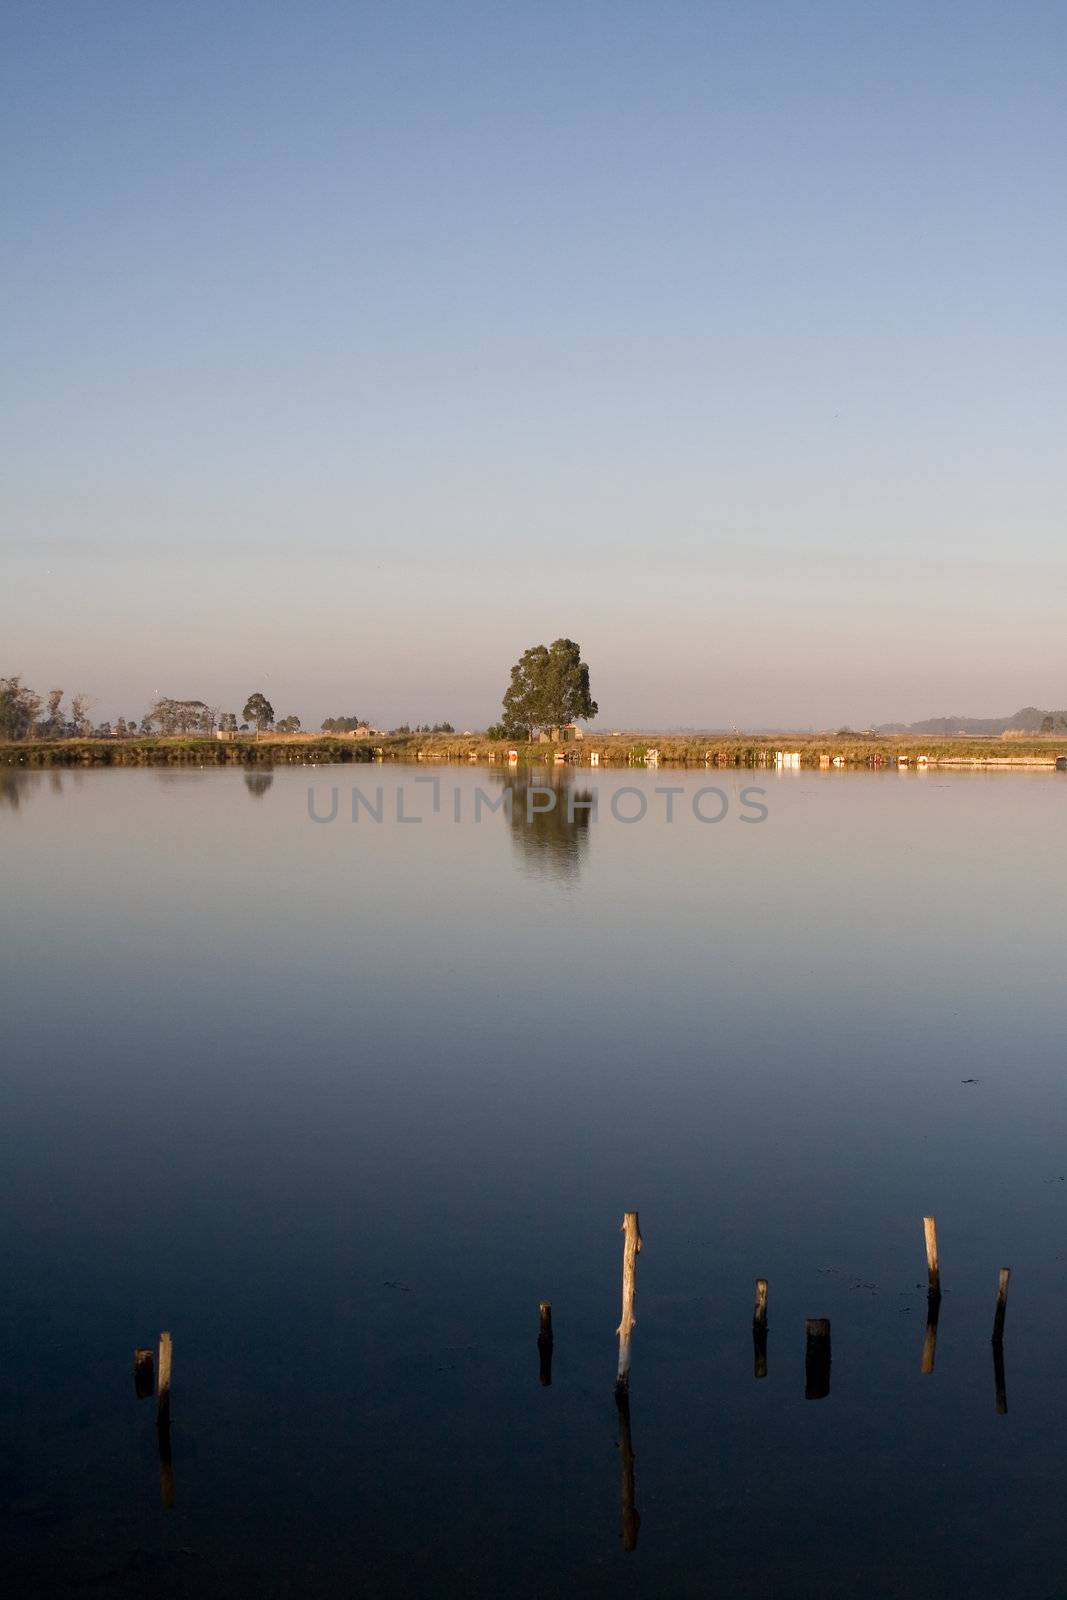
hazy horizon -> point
(350, 351)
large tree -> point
(181, 716)
(259, 710)
(549, 687)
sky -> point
(350, 349)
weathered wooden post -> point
(544, 1342)
(817, 1358)
(1002, 1305)
(933, 1266)
(144, 1374)
(631, 1245)
(759, 1328)
(165, 1351)
(933, 1311)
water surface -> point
(339, 1103)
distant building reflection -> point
(549, 817)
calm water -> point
(339, 1103)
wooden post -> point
(817, 1359)
(544, 1342)
(163, 1412)
(631, 1245)
(933, 1266)
(631, 1518)
(144, 1374)
(759, 1328)
(1002, 1305)
(933, 1311)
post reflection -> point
(631, 1517)
(999, 1386)
(166, 1474)
(933, 1312)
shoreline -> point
(698, 751)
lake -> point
(339, 1102)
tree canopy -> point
(549, 687)
(259, 710)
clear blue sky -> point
(349, 349)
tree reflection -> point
(12, 787)
(549, 817)
(257, 783)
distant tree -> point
(343, 724)
(228, 722)
(52, 725)
(180, 716)
(18, 709)
(288, 725)
(244, 727)
(549, 687)
(79, 715)
(259, 710)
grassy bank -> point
(179, 751)
(624, 749)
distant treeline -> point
(25, 714)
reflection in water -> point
(631, 1517)
(166, 1476)
(257, 783)
(817, 1359)
(549, 819)
(998, 1379)
(12, 787)
(933, 1311)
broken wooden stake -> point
(631, 1245)
(817, 1358)
(933, 1266)
(544, 1342)
(144, 1374)
(165, 1351)
(759, 1328)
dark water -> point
(338, 1104)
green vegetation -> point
(549, 688)
(615, 750)
(259, 710)
(179, 751)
